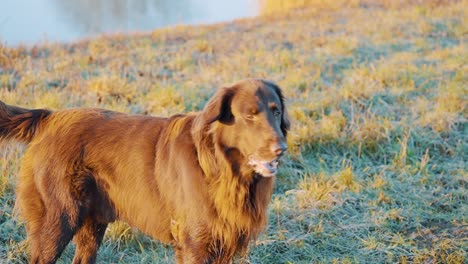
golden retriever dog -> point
(200, 182)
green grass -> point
(377, 168)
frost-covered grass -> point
(377, 91)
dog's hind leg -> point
(31, 208)
(52, 214)
(49, 230)
(56, 233)
(87, 240)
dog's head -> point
(253, 121)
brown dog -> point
(201, 182)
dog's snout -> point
(280, 148)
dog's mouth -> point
(264, 168)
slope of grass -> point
(378, 149)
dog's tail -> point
(19, 123)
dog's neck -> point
(240, 198)
(238, 163)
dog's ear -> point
(218, 107)
(285, 123)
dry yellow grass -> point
(376, 171)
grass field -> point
(378, 92)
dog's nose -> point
(280, 148)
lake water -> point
(33, 21)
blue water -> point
(34, 21)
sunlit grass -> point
(376, 90)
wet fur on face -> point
(200, 182)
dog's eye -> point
(277, 113)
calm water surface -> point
(34, 21)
